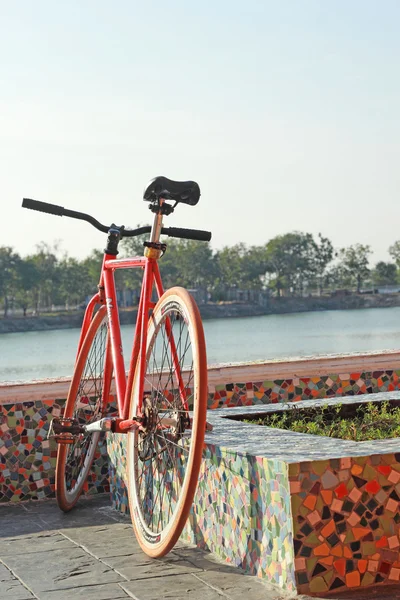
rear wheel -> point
(88, 393)
(164, 456)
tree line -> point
(294, 263)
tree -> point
(188, 263)
(74, 282)
(229, 265)
(238, 266)
(323, 255)
(394, 251)
(385, 273)
(290, 259)
(46, 263)
(9, 261)
(354, 260)
(27, 280)
(255, 267)
(337, 277)
(92, 266)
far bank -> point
(215, 311)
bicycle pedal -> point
(63, 430)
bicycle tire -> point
(163, 463)
(85, 402)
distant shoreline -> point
(215, 311)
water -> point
(41, 354)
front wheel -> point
(164, 456)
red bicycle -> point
(162, 401)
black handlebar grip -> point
(52, 209)
(189, 234)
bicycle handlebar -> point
(60, 211)
(45, 207)
(187, 234)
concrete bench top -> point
(268, 442)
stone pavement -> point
(91, 553)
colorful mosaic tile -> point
(28, 459)
(241, 510)
(303, 388)
(315, 526)
(346, 522)
(24, 426)
(116, 447)
(242, 514)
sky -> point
(285, 113)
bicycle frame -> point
(107, 295)
(187, 193)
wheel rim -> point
(162, 455)
(88, 407)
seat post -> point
(157, 224)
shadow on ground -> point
(91, 554)
(28, 517)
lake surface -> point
(41, 354)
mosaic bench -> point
(27, 460)
(308, 513)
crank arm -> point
(105, 424)
(72, 427)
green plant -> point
(371, 421)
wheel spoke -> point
(85, 405)
(160, 477)
(164, 456)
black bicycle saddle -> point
(187, 192)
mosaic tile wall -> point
(116, 443)
(304, 388)
(27, 459)
(241, 510)
(345, 511)
(340, 520)
(242, 514)
(346, 522)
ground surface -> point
(91, 553)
